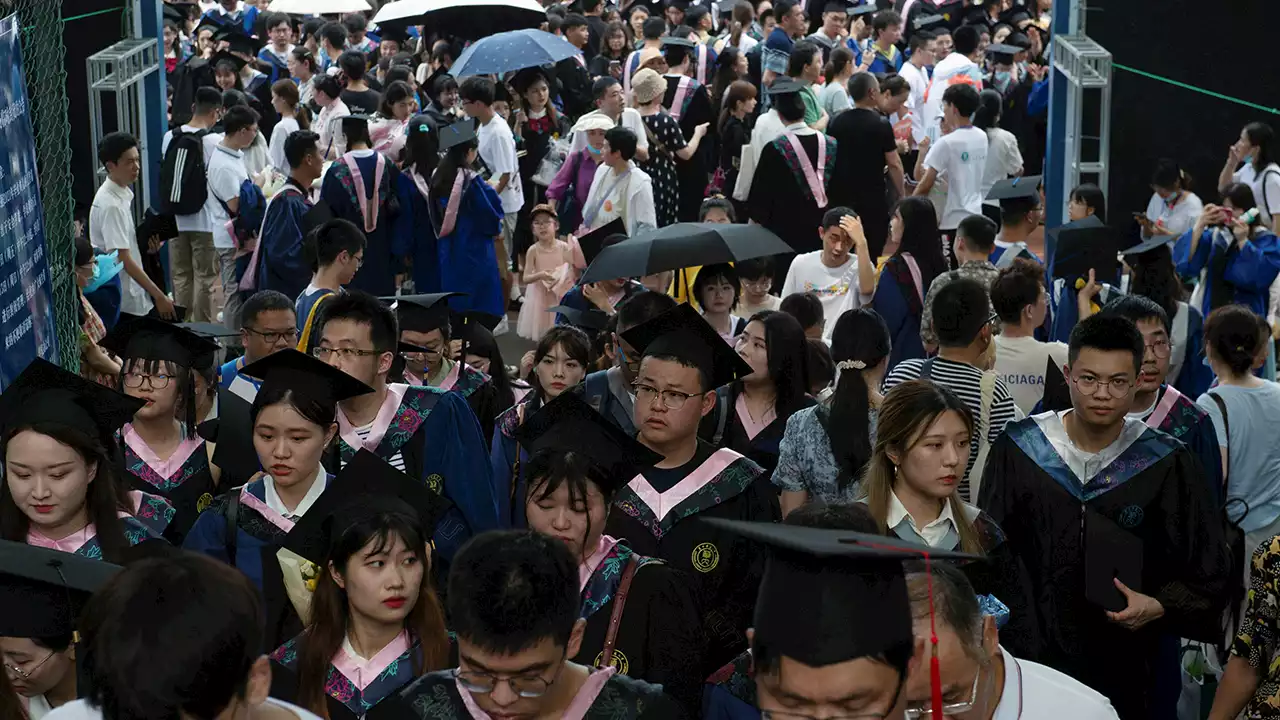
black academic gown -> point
(692, 174)
(724, 569)
(1153, 492)
(575, 86)
(659, 637)
(722, 427)
(782, 201)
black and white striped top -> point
(966, 382)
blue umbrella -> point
(515, 50)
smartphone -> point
(1230, 213)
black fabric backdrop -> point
(1196, 43)
(83, 38)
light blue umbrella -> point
(514, 50)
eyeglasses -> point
(1118, 387)
(949, 709)
(137, 380)
(419, 356)
(528, 685)
(273, 337)
(18, 672)
(323, 353)
(762, 284)
(671, 399)
(1160, 348)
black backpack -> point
(184, 184)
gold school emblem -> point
(436, 483)
(204, 502)
(619, 661)
(705, 557)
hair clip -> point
(851, 364)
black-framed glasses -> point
(136, 380)
(1160, 348)
(526, 685)
(324, 353)
(275, 336)
(671, 399)
(1117, 387)
(949, 709)
(18, 672)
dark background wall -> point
(82, 38)
(1184, 40)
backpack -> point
(246, 221)
(184, 183)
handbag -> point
(549, 166)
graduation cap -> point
(421, 313)
(457, 133)
(1018, 41)
(674, 41)
(814, 576)
(210, 22)
(1110, 553)
(682, 333)
(569, 424)
(593, 320)
(212, 332)
(232, 435)
(525, 78)
(147, 338)
(926, 22)
(1057, 396)
(394, 33)
(318, 215)
(1017, 194)
(1003, 53)
(1149, 244)
(176, 11)
(299, 372)
(45, 393)
(222, 56)
(785, 85)
(366, 487)
(593, 242)
(1016, 15)
(237, 40)
(42, 591)
(1078, 250)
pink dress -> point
(540, 296)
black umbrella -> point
(683, 245)
(465, 19)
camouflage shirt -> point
(981, 270)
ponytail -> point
(302, 114)
(849, 410)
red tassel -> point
(935, 670)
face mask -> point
(1003, 78)
(594, 151)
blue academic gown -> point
(422, 244)
(247, 17)
(1196, 377)
(884, 65)
(281, 266)
(377, 276)
(575, 300)
(467, 257)
(278, 69)
(902, 316)
(1250, 271)
(306, 309)
(504, 454)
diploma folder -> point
(1110, 552)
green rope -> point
(1193, 88)
(92, 14)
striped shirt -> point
(396, 461)
(966, 382)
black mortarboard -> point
(814, 576)
(1015, 188)
(1015, 16)
(1002, 49)
(1057, 396)
(928, 22)
(211, 22)
(353, 123)
(524, 79)
(232, 435)
(978, 17)
(683, 42)
(1110, 553)
(593, 242)
(421, 313)
(394, 33)
(682, 333)
(456, 133)
(785, 85)
(222, 56)
(682, 4)
(1018, 41)
(147, 338)
(1149, 244)
(305, 375)
(471, 318)
(569, 424)
(836, 6)
(367, 486)
(176, 12)
(45, 393)
(237, 40)
(593, 321)
(43, 591)
(212, 332)
(1078, 250)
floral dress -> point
(661, 165)
(1256, 641)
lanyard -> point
(604, 195)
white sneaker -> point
(502, 328)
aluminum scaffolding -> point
(1086, 65)
(118, 73)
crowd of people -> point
(939, 461)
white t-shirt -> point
(960, 158)
(946, 73)
(918, 80)
(498, 150)
(1179, 218)
(111, 227)
(1032, 690)
(226, 173)
(834, 98)
(1021, 362)
(1266, 188)
(836, 287)
(275, 152)
(1004, 160)
(198, 222)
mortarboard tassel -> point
(935, 670)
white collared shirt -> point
(111, 227)
(1085, 465)
(275, 503)
(1035, 692)
(934, 532)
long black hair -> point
(1260, 135)
(859, 342)
(479, 341)
(422, 146)
(453, 162)
(920, 237)
(990, 105)
(572, 342)
(1155, 278)
(788, 360)
(548, 469)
